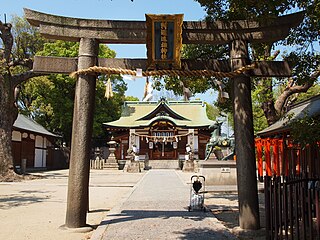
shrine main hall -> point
(161, 130)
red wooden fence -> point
(291, 176)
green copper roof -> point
(182, 114)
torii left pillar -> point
(78, 184)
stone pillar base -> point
(111, 162)
(188, 166)
(111, 166)
(219, 172)
(133, 167)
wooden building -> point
(291, 175)
(33, 142)
(161, 130)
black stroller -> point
(197, 196)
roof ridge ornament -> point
(163, 100)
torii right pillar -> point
(244, 139)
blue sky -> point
(113, 10)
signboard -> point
(164, 41)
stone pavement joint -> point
(157, 208)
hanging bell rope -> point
(183, 73)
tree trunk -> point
(8, 113)
(8, 109)
(293, 89)
(269, 111)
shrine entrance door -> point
(163, 145)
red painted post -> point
(290, 157)
(258, 143)
(275, 150)
(267, 157)
(281, 157)
(298, 162)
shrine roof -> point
(182, 114)
(309, 107)
(25, 123)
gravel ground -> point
(35, 209)
(224, 205)
(158, 209)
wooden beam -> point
(134, 32)
(49, 65)
(37, 18)
(74, 34)
(66, 65)
(117, 36)
(272, 69)
(271, 35)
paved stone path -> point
(158, 209)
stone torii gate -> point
(92, 32)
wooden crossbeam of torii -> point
(66, 65)
(237, 34)
(134, 32)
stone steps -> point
(164, 164)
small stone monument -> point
(188, 165)
(111, 162)
(132, 164)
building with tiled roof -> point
(309, 107)
(162, 130)
(32, 142)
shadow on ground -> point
(225, 207)
(201, 233)
(99, 210)
(131, 215)
(23, 198)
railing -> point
(292, 208)
(96, 163)
(292, 188)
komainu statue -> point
(216, 141)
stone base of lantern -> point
(111, 166)
(133, 167)
(111, 163)
(188, 166)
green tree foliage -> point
(49, 99)
(131, 98)
(272, 96)
(305, 130)
(15, 67)
(107, 110)
(212, 111)
(260, 121)
(27, 39)
(313, 91)
(257, 10)
(194, 84)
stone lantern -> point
(111, 161)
